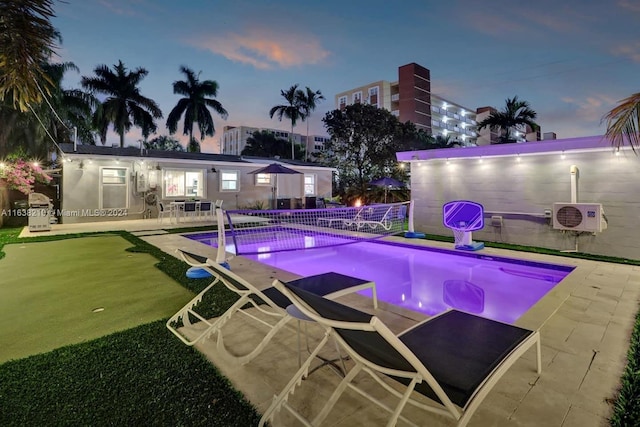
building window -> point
(342, 102)
(373, 96)
(184, 183)
(114, 188)
(310, 185)
(263, 179)
(229, 181)
(357, 97)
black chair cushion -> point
(461, 350)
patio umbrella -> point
(275, 169)
(386, 182)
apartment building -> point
(410, 99)
(234, 139)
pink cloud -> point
(631, 51)
(264, 49)
(592, 108)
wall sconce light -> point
(518, 158)
(213, 170)
(563, 156)
(81, 164)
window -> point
(373, 95)
(263, 179)
(309, 184)
(357, 97)
(229, 180)
(114, 187)
(342, 102)
(184, 183)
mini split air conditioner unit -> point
(579, 217)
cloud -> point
(265, 49)
(631, 51)
(592, 108)
(631, 5)
(492, 24)
(118, 9)
(512, 19)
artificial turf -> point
(143, 376)
(140, 376)
(67, 291)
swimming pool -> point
(426, 280)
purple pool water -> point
(427, 280)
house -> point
(574, 194)
(112, 183)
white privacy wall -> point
(521, 190)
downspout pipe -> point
(575, 174)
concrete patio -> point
(585, 324)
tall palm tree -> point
(516, 114)
(623, 122)
(124, 105)
(27, 40)
(195, 106)
(55, 118)
(292, 110)
(309, 101)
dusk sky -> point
(571, 60)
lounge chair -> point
(373, 217)
(330, 285)
(453, 359)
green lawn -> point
(50, 290)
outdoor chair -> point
(453, 359)
(189, 209)
(270, 302)
(206, 209)
(163, 211)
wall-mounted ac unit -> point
(579, 217)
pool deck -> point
(585, 324)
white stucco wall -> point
(512, 189)
(80, 193)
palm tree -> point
(516, 114)
(292, 110)
(309, 100)
(623, 122)
(124, 105)
(195, 106)
(55, 118)
(27, 40)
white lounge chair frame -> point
(420, 373)
(234, 283)
(274, 307)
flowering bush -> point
(21, 175)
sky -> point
(573, 61)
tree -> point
(515, 115)
(309, 101)
(124, 105)
(198, 98)
(27, 40)
(623, 122)
(266, 144)
(363, 145)
(55, 118)
(164, 143)
(292, 110)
